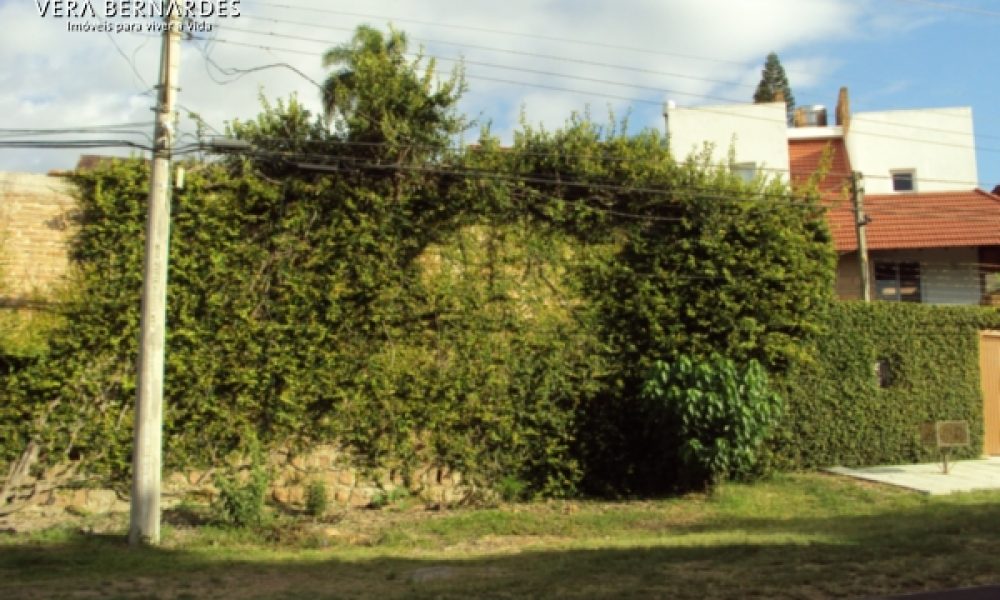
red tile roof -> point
(805, 157)
(920, 220)
(898, 221)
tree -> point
(378, 97)
(772, 81)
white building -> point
(933, 236)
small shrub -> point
(242, 504)
(386, 498)
(317, 499)
(511, 488)
(721, 414)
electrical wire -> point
(589, 43)
(704, 109)
(66, 144)
(845, 175)
(463, 61)
(511, 51)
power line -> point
(513, 68)
(131, 62)
(588, 43)
(466, 61)
(855, 119)
(354, 164)
(715, 110)
(567, 59)
(604, 157)
(68, 144)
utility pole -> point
(148, 443)
(860, 222)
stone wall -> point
(291, 475)
(36, 220)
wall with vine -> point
(356, 278)
(842, 410)
(495, 315)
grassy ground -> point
(796, 536)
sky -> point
(536, 61)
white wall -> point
(937, 143)
(757, 133)
(947, 275)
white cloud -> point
(695, 52)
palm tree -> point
(377, 96)
(368, 47)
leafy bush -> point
(385, 498)
(511, 489)
(721, 414)
(241, 504)
(317, 499)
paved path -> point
(963, 476)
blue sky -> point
(627, 56)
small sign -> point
(945, 434)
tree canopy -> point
(772, 81)
(378, 96)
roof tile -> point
(920, 220)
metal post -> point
(146, 460)
(860, 221)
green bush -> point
(385, 498)
(511, 489)
(838, 411)
(241, 504)
(720, 414)
(317, 499)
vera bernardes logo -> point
(117, 16)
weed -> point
(317, 499)
(512, 488)
(387, 498)
(242, 504)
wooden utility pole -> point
(860, 222)
(148, 443)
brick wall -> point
(36, 221)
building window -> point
(903, 181)
(885, 372)
(897, 282)
(745, 171)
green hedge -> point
(838, 413)
(500, 327)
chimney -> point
(843, 109)
(810, 116)
(668, 106)
(799, 117)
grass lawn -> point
(795, 536)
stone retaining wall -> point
(291, 475)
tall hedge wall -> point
(495, 315)
(840, 414)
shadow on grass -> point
(921, 548)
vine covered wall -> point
(842, 411)
(356, 278)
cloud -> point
(550, 58)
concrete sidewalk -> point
(963, 476)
